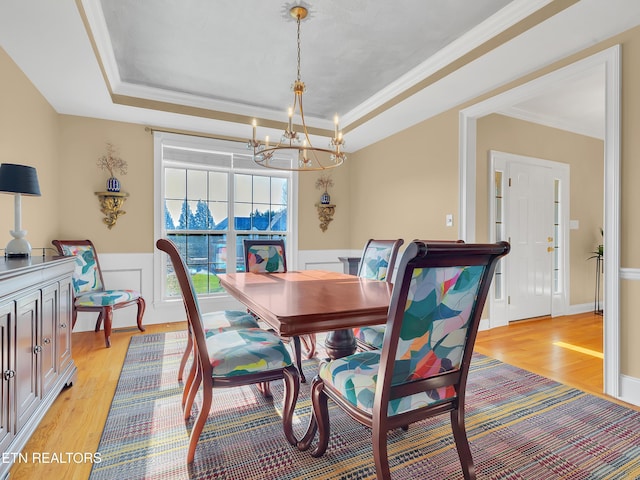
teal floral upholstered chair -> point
(265, 256)
(216, 322)
(90, 295)
(378, 259)
(421, 371)
(377, 263)
(268, 256)
(232, 357)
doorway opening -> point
(609, 61)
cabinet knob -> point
(63, 325)
(37, 349)
(47, 341)
(9, 374)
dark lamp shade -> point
(19, 179)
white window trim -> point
(160, 138)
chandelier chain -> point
(298, 47)
(298, 154)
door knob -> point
(549, 249)
(549, 239)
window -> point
(211, 197)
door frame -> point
(559, 301)
(610, 61)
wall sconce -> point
(19, 180)
(325, 208)
(111, 204)
(325, 214)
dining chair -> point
(90, 294)
(422, 369)
(377, 263)
(268, 256)
(217, 321)
(231, 358)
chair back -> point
(87, 276)
(379, 258)
(265, 256)
(437, 301)
(190, 300)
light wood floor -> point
(75, 421)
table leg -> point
(340, 343)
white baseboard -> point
(630, 390)
(581, 308)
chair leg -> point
(108, 318)
(291, 391)
(99, 321)
(309, 343)
(305, 442)
(141, 307)
(462, 444)
(265, 389)
(185, 357)
(380, 454)
(321, 414)
(192, 392)
(188, 383)
(297, 354)
(199, 423)
(74, 317)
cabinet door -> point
(7, 321)
(27, 391)
(46, 337)
(63, 346)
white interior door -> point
(529, 227)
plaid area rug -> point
(520, 426)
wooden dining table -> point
(303, 302)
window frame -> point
(198, 143)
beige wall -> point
(585, 156)
(310, 236)
(83, 141)
(405, 185)
(28, 136)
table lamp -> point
(19, 180)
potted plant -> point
(323, 183)
(112, 163)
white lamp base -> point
(18, 247)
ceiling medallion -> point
(306, 157)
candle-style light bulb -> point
(266, 141)
(290, 118)
(337, 127)
(255, 124)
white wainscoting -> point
(324, 259)
(132, 271)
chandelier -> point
(298, 144)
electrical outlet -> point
(449, 221)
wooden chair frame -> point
(204, 370)
(393, 244)
(105, 313)
(372, 243)
(309, 341)
(417, 255)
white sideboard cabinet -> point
(35, 335)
